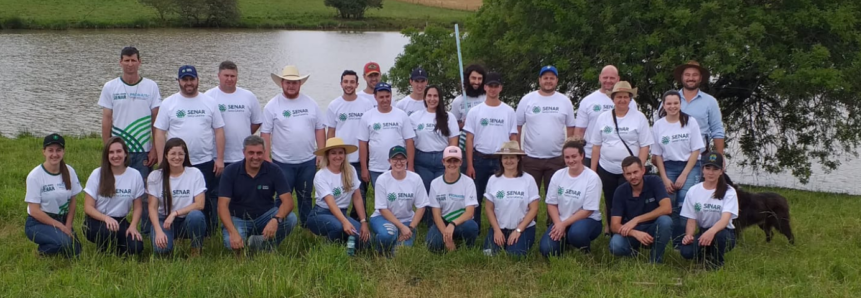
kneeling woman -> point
(51, 190)
(711, 206)
(512, 203)
(396, 193)
(337, 184)
(453, 200)
(111, 190)
(573, 199)
(176, 205)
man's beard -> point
(470, 92)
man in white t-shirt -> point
(343, 119)
(293, 127)
(488, 126)
(380, 130)
(194, 118)
(415, 101)
(239, 108)
(593, 105)
(129, 107)
(372, 77)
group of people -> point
(429, 162)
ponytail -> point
(683, 118)
(64, 171)
(722, 186)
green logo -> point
(286, 114)
(596, 108)
(259, 187)
(698, 207)
(180, 114)
(484, 122)
(421, 126)
(336, 191)
(342, 117)
(65, 208)
(56, 137)
(608, 129)
(560, 191)
(536, 110)
(391, 197)
(377, 126)
(500, 194)
(665, 140)
(222, 108)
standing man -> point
(380, 130)
(372, 78)
(475, 95)
(488, 126)
(293, 127)
(416, 100)
(239, 108)
(699, 104)
(194, 118)
(343, 119)
(549, 119)
(595, 104)
(129, 108)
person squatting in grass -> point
(453, 201)
(512, 204)
(396, 193)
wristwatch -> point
(518, 231)
(279, 219)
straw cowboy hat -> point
(677, 72)
(333, 143)
(510, 148)
(623, 86)
(290, 73)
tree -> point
(782, 70)
(162, 7)
(353, 9)
(197, 13)
(432, 50)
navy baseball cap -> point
(419, 74)
(712, 159)
(185, 71)
(549, 68)
(382, 86)
(54, 139)
(493, 78)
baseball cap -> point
(187, 70)
(54, 139)
(397, 150)
(451, 152)
(549, 68)
(493, 78)
(372, 67)
(712, 158)
(382, 86)
(419, 74)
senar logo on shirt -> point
(492, 122)
(429, 126)
(190, 113)
(47, 188)
(441, 197)
(665, 140)
(180, 114)
(336, 191)
(386, 125)
(180, 192)
(551, 109)
(607, 129)
(536, 110)
(391, 197)
(350, 116)
(596, 108)
(680, 137)
(119, 96)
(294, 113)
(231, 108)
(500, 195)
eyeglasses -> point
(399, 160)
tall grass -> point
(823, 263)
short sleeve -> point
(659, 190)
(34, 189)
(356, 182)
(76, 184)
(470, 118)
(592, 200)
(92, 186)
(421, 194)
(225, 184)
(105, 99)
(380, 200)
(730, 203)
(363, 134)
(162, 121)
(321, 118)
(656, 135)
(153, 185)
(582, 119)
(217, 119)
(407, 129)
(619, 196)
(155, 97)
(432, 201)
(551, 197)
(453, 128)
(256, 112)
(198, 185)
(331, 118)
(471, 198)
(596, 138)
(688, 206)
(321, 186)
(518, 113)
(490, 185)
(456, 106)
(138, 187)
(512, 115)
(570, 120)
(533, 193)
(645, 132)
(268, 118)
(696, 139)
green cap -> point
(396, 150)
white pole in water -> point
(462, 139)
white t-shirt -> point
(129, 186)
(634, 128)
(571, 194)
(383, 131)
(590, 108)
(328, 183)
(511, 198)
(491, 126)
(293, 124)
(131, 107)
(410, 105)
(546, 119)
(674, 142)
(369, 97)
(49, 190)
(399, 196)
(428, 140)
(706, 210)
(183, 188)
(239, 110)
(345, 117)
(452, 198)
(193, 120)
(460, 110)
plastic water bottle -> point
(351, 245)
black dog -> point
(768, 210)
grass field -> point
(299, 14)
(453, 4)
(823, 263)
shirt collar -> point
(264, 168)
(699, 94)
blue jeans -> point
(322, 222)
(524, 243)
(246, 227)
(580, 235)
(193, 227)
(97, 232)
(723, 242)
(386, 235)
(300, 178)
(51, 240)
(674, 170)
(660, 230)
(363, 188)
(429, 166)
(466, 231)
(210, 206)
(484, 168)
(374, 176)
(136, 161)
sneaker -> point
(255, 242)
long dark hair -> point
(683, 117)
(107, 182)
(165, 171)
(441, 115)
(722, 186)
(501, 170)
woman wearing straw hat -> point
(337, 184)
(512, 204)
(619, 133)
(396, 193)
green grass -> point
(823, 263)
(293, 14)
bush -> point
(353, 9)
(197, 13)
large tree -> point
(784, 71)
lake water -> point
(52, 79)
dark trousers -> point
(210, 207)
(484, 166)
(363, 188)
(106, 240)
(542, 169)
(713, 255)
(610, 182)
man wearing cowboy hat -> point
(593, 105)
(293, 127)
(699, 104)
(381, 129)
(372, 76)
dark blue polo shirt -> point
(627, 206)
(252, 197)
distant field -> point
(453, 4)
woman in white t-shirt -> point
(710, 206)
(396, 193)
(453, 201)
(676, 153)
(619, 133)
(51, 190)
(512, 204)
(337, 184)
(573, 199)
(110, 191)
(177, 206)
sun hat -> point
(54, 139)
(712, 159)
(290, 73)
(677, 72)
(333, 143)
(623, 86)
(510, 148)
(451, 152)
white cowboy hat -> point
(290, 73)
(333, 143)
(510, 148)
(623, 86)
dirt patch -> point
(453, 4)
